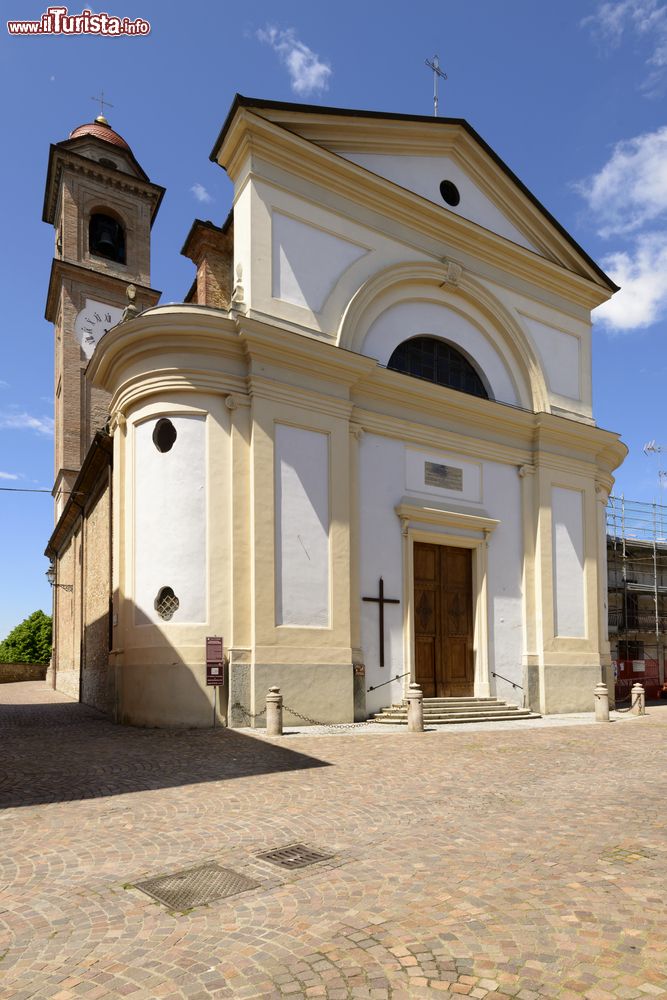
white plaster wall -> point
(381, 486)
(502, 500)
(302, 527)
(567, 519)
(170, 521)
(560, 356)
(307, 261)
(423, 174)
(471, 476)
(417, 318)
(244, 230)
(385, 470)
(310, 221)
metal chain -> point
(329, 725)
(305, 718)
(249, 715)
(630, 707)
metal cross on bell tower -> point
(100, 100)
(438, 74)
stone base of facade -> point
(165, 695)
(69, 682)
(175, 694)
(321, 692)
(556, 689)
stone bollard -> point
(274, 712)
(638, 699)
(601, 702)
(415, 709)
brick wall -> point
(12, 672)
(68, 638)
(96, 679)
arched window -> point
(437, 361)
(106, 238)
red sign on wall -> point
(215, 661)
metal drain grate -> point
(195, 887)
(294, 856)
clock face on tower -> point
(93, 322)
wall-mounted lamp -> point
(51, 577)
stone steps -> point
(456, 711)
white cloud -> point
(644, 19)
(200, 193)
(3, 384)
(308, 73)
(25, 421)
(8, 475)
(631, 188)
(642, 274)
(627, 199)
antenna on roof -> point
(651, 448)
(438, 74)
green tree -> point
(29, 642)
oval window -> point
(450, 193)
(164, 435)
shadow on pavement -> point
(66, 751)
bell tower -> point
(102, 206)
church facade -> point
(362, 450)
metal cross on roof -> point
(102, 102)
(438, 74)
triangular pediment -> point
(416, 154)
(430, 176)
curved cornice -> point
(182, 329)
(61, 159)
(392, 285)
(185, 348)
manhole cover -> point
(295, 856)
(197, 886)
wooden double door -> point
(443, 620)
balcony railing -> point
(641, 621)
(636, 579)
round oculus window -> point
(164, 435)
(450, 193)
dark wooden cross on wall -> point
(381, 600)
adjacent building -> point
(637, 564)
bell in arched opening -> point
(106, 238)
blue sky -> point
(571, 94)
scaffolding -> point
(637, 590)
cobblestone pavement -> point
(527, 863)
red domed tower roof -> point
(101, 129)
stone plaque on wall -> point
(446, 477)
